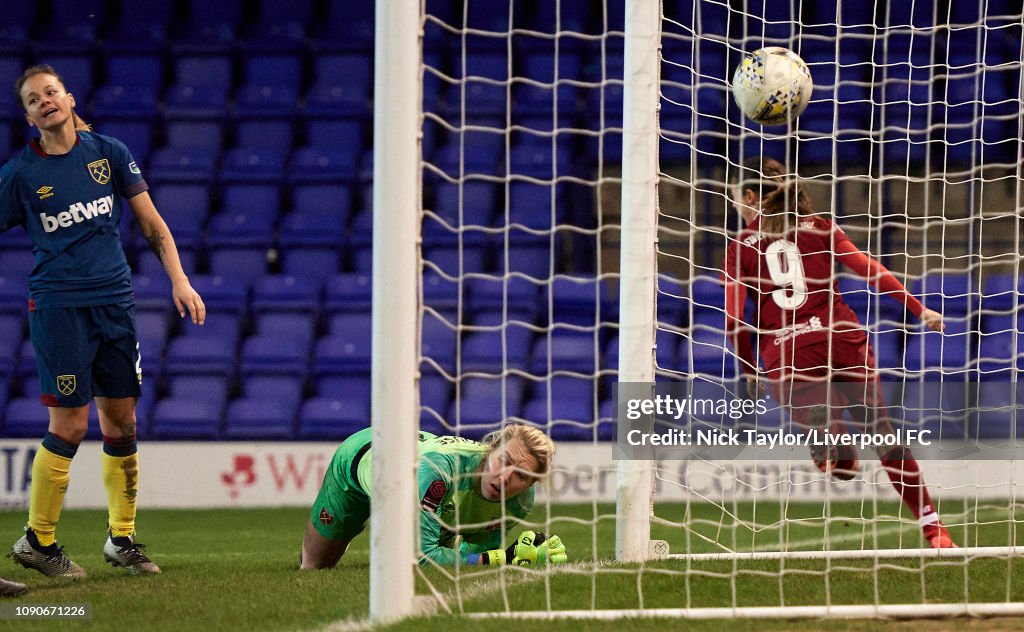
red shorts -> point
(839, 378)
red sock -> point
(909, 483)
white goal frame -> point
(397, 203)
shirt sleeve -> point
(127, 173)
(878, 275)
(735, 300)
(436, 487)
(12, 213)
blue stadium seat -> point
(152, 327)
(312, 243)
(266, 100)
(515, 295)
(347, 27)
(949, 293)
(281, 70)
(438, 341)
(495, 351)
(275, 36)
(194, 355)
(310, 164)
(482, 153)
(286, 389)
(76, 68)
(14, 32)
(136, 135)
(273, 134)
(25, 417)
(296, 326)
(948, 350)
(181, 165)
(184, 207)
(257, 199)
(151, 292)
(212, 389)
(225, 295)
(349, 385)
(250, 165)
(344, 69)
(241, 230)
(185, 419)
(282, 292)
(317, 263)
(451, 258)
(227, 330)
(246, 264)
(125, 102)
(343, 353)
(707, 349)
(265, 354)
(1001, 292)
(485, 402)
(196, 102)
(673, 305)
(17, 261)
(142, 29)
(331, 133)
(258, 418)
(322, 197)
(577, 300)
(435, 389)
(333, 417)
(566, 351)
(440, 294)
(339, 100)
(478, 201)
(13, 293)
(193, 134)
(999, 410)
(348, 293)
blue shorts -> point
(86, 352)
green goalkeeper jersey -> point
(451, 506)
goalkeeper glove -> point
(529, 549)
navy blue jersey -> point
(70, 206)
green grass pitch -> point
(235, 570)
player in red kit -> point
(815, 351)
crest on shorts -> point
(66, 384)
(326, 519)
(100, 170)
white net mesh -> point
(910, 144)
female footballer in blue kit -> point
(64, 189)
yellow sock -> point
(121, 478)
(50, 478)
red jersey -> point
(792, 280)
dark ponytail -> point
(783, 200)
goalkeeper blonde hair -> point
(537, 444)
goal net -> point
(575, 161)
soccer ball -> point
(772, 85)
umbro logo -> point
(45, 192)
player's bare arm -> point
(161, 242)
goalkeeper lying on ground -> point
(470, 494)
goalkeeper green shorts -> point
(342, 508)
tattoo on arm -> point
(156, 244)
